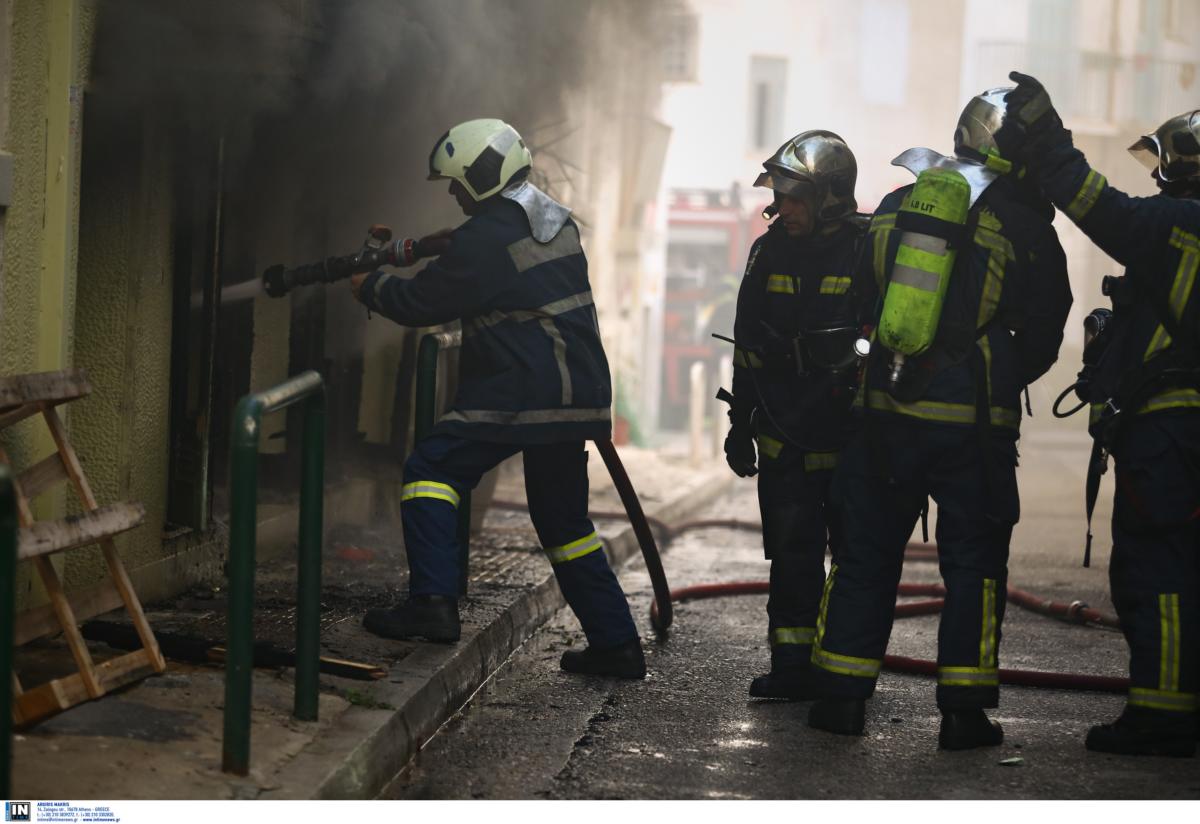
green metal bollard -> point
(243, 517)
(428, 352)
(8, 598)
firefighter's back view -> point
(974, 297)
(533, 379)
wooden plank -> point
(19, 414)
(66, 619)
(63, 693)
(46, 537)
(70, 459)
(133, 606)
(44, 387)
(42, 620)
(42, 475)
(17, 689)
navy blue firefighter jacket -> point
(532, 369)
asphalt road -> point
(689, 731)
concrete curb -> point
(369, 746)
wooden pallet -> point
(21, 397)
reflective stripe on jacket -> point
(533, 368)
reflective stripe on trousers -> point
(831, 661)
(429, 489)
(792, 635)
(576, 549)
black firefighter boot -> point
(787, 680)
(624, 661)
(1141, 731)
(432, 617)
(844, 716)
(968, 729)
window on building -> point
(680, 44)
(768, 87)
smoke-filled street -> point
(690, 731)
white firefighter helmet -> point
(483, 155)
(816, 166)
(1174, 148)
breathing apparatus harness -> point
(1177, 366)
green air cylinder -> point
(934, 212)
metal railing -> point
(428, 352)
(8, 598)
(243, 522)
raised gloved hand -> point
(1032, 124)
(739, 450)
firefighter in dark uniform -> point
(1145, 394)
(942, 421)
(793, 381)
(533, 379)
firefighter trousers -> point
(1155, 567)
(798, 523)
(442, 467)
(881, 485)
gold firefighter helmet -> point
(483, 155)
(975, 135)
(816, 166)
(1173, 151)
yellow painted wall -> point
(123, 336)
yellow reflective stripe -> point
(834, 285)
(769, 446)
(781, 284)
(429, 489)
(1172, 399)
(792, 635)
(1181, 287)
(993, 285)
(746, 359)
(987, 634)
(940, 412)
(816, 461)
(824, 604)
(1170, 700)
(1168, 657)
(576, 549)
(968, 677)
(1095, 413)
(1087, 195)
(846, 664)
(985, 346)
(993, 241)
(881, 231)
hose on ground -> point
(1076, 612)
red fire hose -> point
(1075, 612)
(661, 618)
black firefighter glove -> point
(1031, 125)
(739, 447)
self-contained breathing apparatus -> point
(1111, 406)
(935, 222)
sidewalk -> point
(161, 738)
